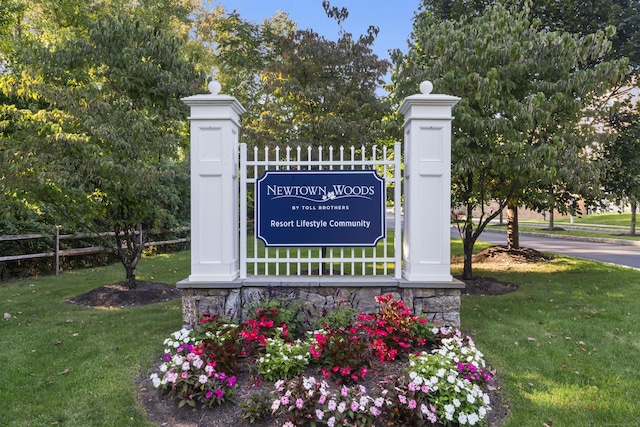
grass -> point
(70, 365)
(604, 219)
(564, 345)
(613, 234)
(606, 225)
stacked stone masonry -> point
(441, 306)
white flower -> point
(456, 403)
(275, 405)
(462, 418)
(186, 366)
(363, 402)
(471, 398)
(449, 410)
(341, 407)
(203, 379)
(156, 381)
(163, 367)
(319, 414)
(473, 419)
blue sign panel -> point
(320, 208)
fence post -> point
(427, 156)
(215, 123)
(56, 252)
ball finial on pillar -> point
(426, 87)
(214, 87)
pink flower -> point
(219, 393)
(354, 406)
(402, 399)
(299, 403)
(284, 400)
(184, 375)
(208, 394)
(413, 404)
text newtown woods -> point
(316, 190)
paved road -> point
(613, 253)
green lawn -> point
(606, 219)
(564, 345)
(76, 366)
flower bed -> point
(324, 378)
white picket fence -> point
(384, 260)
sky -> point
(393, 18)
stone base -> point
(439, 301)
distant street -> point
(612, 253)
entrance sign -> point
(324, 208)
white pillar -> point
(427, 183)
(215, 122)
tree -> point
(101, 84)
(622, 156)
(298, 87)
(572, 16)
(523, 91)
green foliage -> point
(622, 155)
(297, 86)
(92, 129)
(340, 317)
(256, 407)
(283, 309)
(283, 359)
(223, 341)
(573, 16)
(518, 130)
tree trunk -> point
(467, 244)
(130, 281)
(634, 207)
(129, 247)
(551, 218)
(513, 234)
